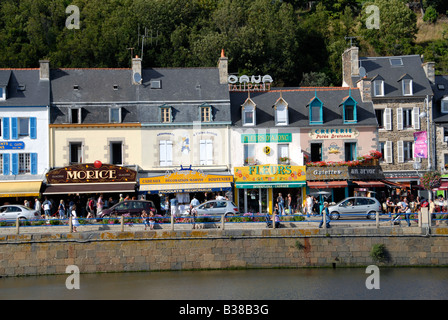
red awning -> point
(326, 184)
(371, 184)
(443, 185)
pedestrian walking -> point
(61, 209)
(75, 222)
(326, 214)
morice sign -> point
(88, 173)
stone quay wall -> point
(157, 250)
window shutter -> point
(14, 129)
(400, 150)
(202, 157)
(416, 118)
(209, 151)
(6, 128)
(388, 119)
(33, 163)
(33, 127)
(15, 163)
(400, 118)
(162, 152)
(169, 152)
(388, 152)
(6, 164)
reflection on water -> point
(272, 284)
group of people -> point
(287, 204)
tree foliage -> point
(284, 38)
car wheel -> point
(334, 216)
(371, 215)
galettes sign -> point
(87, 173)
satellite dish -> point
(137, 77)
(362, 72)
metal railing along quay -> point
(247, 220)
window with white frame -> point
(249, 116)
(281, 113)
(115, 115)
(283, 154)
(249, 154)
(2, 93)
(444, 105)
(75, 115)
(24, 163)
(206, 152)
(378, 88)
(408, 118)
(75, 149)
(407, 87)
(166, 153)
(405, 151)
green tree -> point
(397, 29)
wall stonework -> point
(43, 254)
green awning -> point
(265, 185)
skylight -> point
(396, 61)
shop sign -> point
(88, 173)
(266, 138)
(327, 173)
(270, 173)
(187, 176)
(334, 133)
(366, 172)
(12, 145)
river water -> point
(264, 284)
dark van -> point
(132, 207)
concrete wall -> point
(39, 254)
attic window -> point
(75, 87)
(115, 86)
(21, 87)
(156, 84)
(396, 61)
(2, 93)
(441, 87)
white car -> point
(217, 207)
(11, 212)
(356, 207)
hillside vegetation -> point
(297, 42)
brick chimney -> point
(365, 89)
(44, 70)
(223, 64)
(350, 66)
(137, 70)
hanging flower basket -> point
(431, 180)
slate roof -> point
(185, 89)
(298, 99)
(439, 94)
(392, 74)
(35, 92)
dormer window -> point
(165, 114)
(2, 93)
(378, 88)
(115, 115)
(406, 85)
(316, 114)
(444, 105)
(205, 113)
(349, 112)
(249, 115)
(281, 113)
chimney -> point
(350, 66)
(223, 64)
(44, 70)
(136, 70)
(365, 89)
(430, 72)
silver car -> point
(217, 207)
(14, 211)
(355, 207)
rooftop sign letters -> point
(246, 83)
(88, 173)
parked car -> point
(11, 212)
(133, 207)
(217, 207)
(353, 207)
